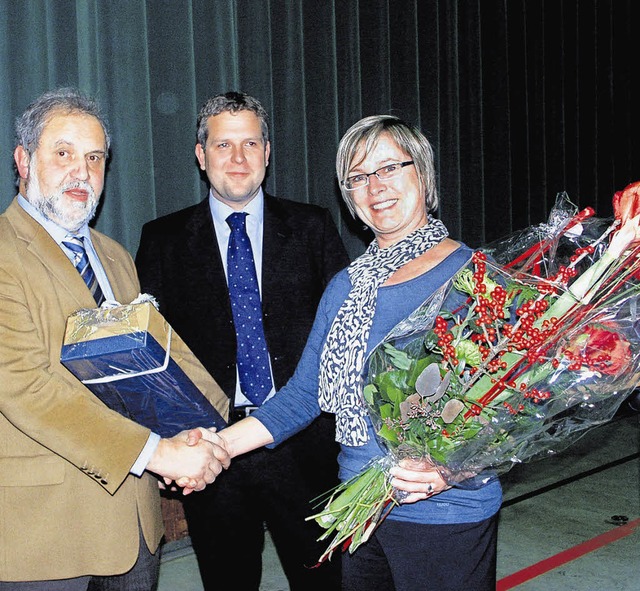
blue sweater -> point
(296, 405)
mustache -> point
(83, 185)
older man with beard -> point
(79, 507)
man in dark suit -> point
(184, 260)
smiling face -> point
(394, 208)
(235, 158)
(64, 175)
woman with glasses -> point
(439, 538)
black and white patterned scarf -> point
(343, 356)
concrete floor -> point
(562, 525)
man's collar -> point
(221, 211)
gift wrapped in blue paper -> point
(133, 361)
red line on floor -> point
(544, 566)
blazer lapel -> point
(120, 275)
(276, 235)
(202, 246)
(42, 246)
(110, 266)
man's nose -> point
(238, 154)
(80, 170)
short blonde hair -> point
(363, 136)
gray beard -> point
(71, 216)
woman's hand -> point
(418, 478)
(193, 438)
(232, 441)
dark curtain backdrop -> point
(521, 99)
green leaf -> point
(469, 352)
(463, 282)
(368, 392)
(396, 395)
(386, 411)
(388, 434)
(389, 381)
(399, 358)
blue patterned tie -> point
(252, 355)
(76, 245)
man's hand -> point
(192, 464)
(193, 437)
(232, 441)
(211, 435)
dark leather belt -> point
(241, 412)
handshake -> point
(192, 459)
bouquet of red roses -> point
(531, 343)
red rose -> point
(626, 207)
(626, 203)
(599, 348)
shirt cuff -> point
(145, 455)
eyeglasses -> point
(385, 172)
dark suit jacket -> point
(180, 264)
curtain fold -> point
(521, 99)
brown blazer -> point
(68, 505)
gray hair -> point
(231, 102)
(363, 136)
(30, 125)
